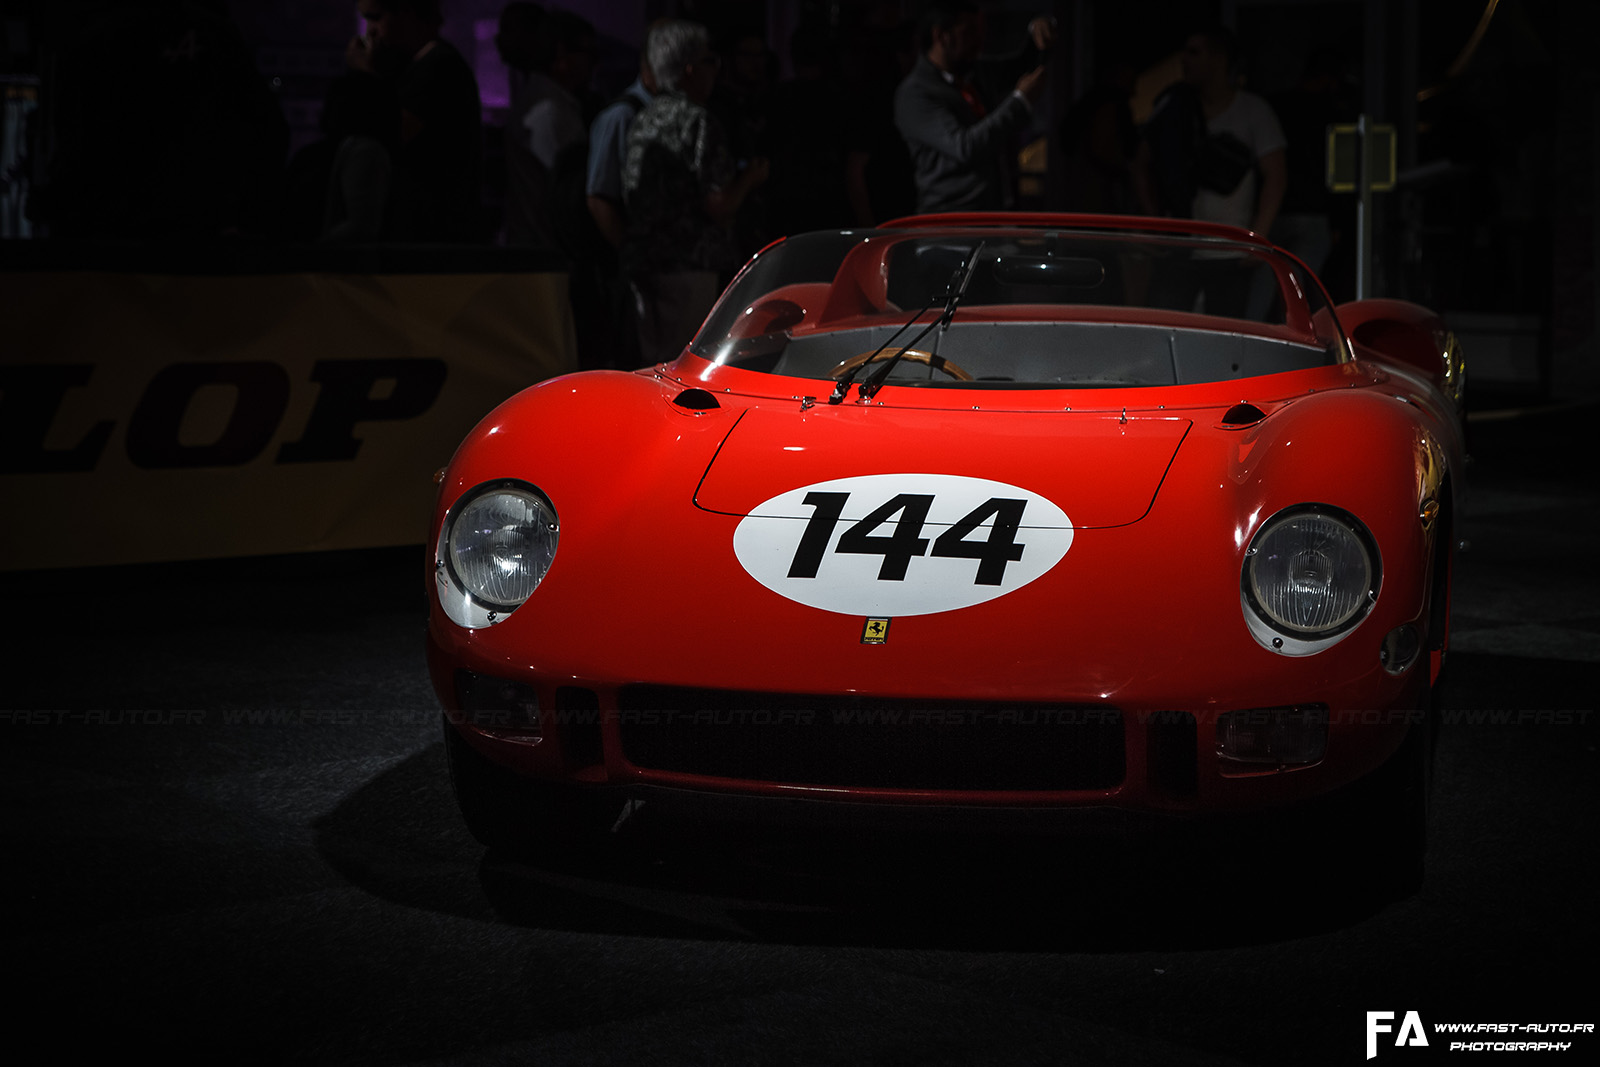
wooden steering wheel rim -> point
(915, 355)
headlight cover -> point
(1310, 576)
(495, 547)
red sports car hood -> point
(1097, 469)
(895, 512)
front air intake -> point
(864, 742)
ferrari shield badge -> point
(887, 545)
(875, 632)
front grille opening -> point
(1172, 754)
(867, 743)
(578, 718)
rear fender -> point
(1401, 332)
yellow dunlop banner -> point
(148, 417)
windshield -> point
(1041, 308)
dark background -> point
(229, 830)
(1493, 219)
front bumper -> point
(901, 760)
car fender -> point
(593, 443)
(1396, 331)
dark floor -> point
(230, 837)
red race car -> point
(966, 517)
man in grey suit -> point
(959, 136)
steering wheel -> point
(915, 355)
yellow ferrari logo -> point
(875, 632)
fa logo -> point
(1411, 1031)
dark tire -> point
(509, 813)
(1382, 822)
(1402, 805)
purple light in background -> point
(494, 85)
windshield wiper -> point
(843, 387)
(956, 289)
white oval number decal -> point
(901, 544)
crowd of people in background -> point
(657, 194)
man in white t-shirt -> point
(1213, 152)
(1209, 60)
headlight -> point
(1310, 575)
(495, 548)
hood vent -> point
(696, 400)
(1243, 415)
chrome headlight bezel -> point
(1271, 628)
(465, 598)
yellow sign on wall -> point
(1349, 146)
(150, 417)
